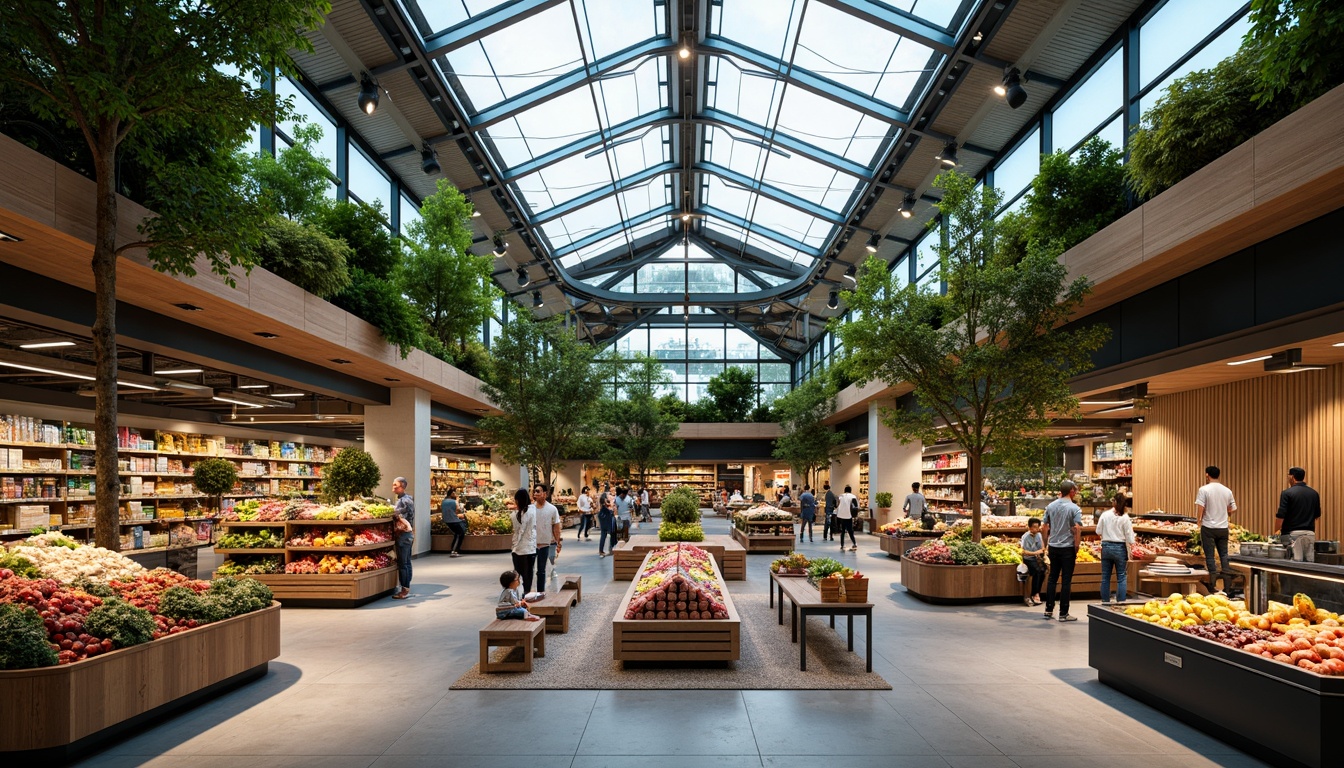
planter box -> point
(676, 639)
(54, 713)
(333, 590)
(974, 583)
(491, 542)
(443, 542)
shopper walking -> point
(404, 512)
(585, 505)
(1033, 556)
(524, 538)
(828, 526)
(915, 504)
(1299, 508)
(606, 518)
(1214, 507)
(548, 531)
(1117, 537)
(624, 507)
(448, 509)
(646, 512)
(1063, 532)
(846, 506)
(807, 512)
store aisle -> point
(980, 686)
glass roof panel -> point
(582, 223)
(549, 125)
(565, 180)
(442, 14)
(609, 26)
(761, 24)
(886, 66)
(832, 126)
(518, 57)
(741, 89)
(631, 91)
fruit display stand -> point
(764, 535)
(628, 556)
(489, 542)
(895, 546)
(50, 714)
(961, 584)
(663, 640)
(335, 590)
(1279, 713)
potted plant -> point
(883, 499)
(214, 478)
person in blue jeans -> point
(405, 510)
(1117, 537)
(606, 518)
(511, 604)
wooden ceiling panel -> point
(353, 24)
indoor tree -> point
(128, 74)
(635, 429)
(733, 393)
(987, 360)
(806, 443)
(543, 379)
(352, 473)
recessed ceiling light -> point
(288, 394)
(388, 378)
(5, 237)
(51, 344)
(1250, 360)
(1103, 402)
(178, 371)
(53, 372)
(340, 361)
(266, 335)
(232, 401)
(1339, 344)
(188, 307)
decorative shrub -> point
(669, 531)
(305, 256)
(682, 505)
(883, 499)
(352, 473)
(214, 477)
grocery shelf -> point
(150, 550)
(1108, 461)
(350, 548)
(249, 550)
(36, 500)
(363, 521)
(254, 523)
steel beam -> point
(903, 24)
(603, 234)
(755, 229)
(484, 24)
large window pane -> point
(775, 372)
(410, 213)
(367, 182)
(705, 343)
(1096, 99)
(307, 112)
(702, 372)
(668, 343)
(1218, 49)
(1017, 170)
(634, 342)
(739, 345)
(1177, 25)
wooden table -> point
(806, 601)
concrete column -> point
(892, 467)
(397, 436)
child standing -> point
(511, 604)
(1033, 556)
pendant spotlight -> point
(949, 154)
(908, 205)
(368, 94)
(1012, 89)
(873, 242)
(502, 245)
(429, 161)
(833, 300)
(851, 273)
(537, 303)
(523, 278)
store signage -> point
(734, 466)
(1172, 659)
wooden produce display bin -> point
(896, 546)
(442, 542)
(490, 542)
(329, 590)
(51, 714)
(628, 556)
(677, 639)
(959, 584)
(765, 535)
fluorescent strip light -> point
(236, 402)
(1250, 360)
(137, 386)
(179, 371)
(288, 394)
(1297, 368)
(1339, 344)
(51, 371)
(1105, 402)
(51, 344)
(1128, 407)
(253, 386)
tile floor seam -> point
(742, 696)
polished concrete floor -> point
(971, 686)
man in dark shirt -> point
(827, 532)
(1299, 507)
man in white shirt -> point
(1214, 506)
(915, 504)
(646, 514)
(548, 531)
(844, 514)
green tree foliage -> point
(451, 286)
(673, 406)
(378, 301)
(987, 361)
(296, 179)
(733, 393)
(304, 255)
(807, 444)
(130, 75)
(351, 474)
(634, 429)
(214, 477)
(1074, 197)
(363, 227)
(543, 380)
(1300, 39)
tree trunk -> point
(972, 495)
(107, 531)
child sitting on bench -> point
(511, 605)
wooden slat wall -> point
(1253, 431)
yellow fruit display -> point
(1189, 610)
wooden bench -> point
(571, 581)
(806, 601)
(555, 609)
(513, 633)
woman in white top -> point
(844, 513)
(585, 504)
(1117, 536)
(524, 538)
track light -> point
(501, 245)
(368, 94)
(523, 278)
(537, 303)
(1012, 89)
(833, 300)
(873, 242)
(949, 154)
(429, 163)
(851, 273)
(908, 205)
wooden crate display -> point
(330, 589)
(677, 639)
(764, 535)
(628, 556)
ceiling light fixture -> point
(253, 386)
(340, 361)
(5, 237)
(685, 52)
(266, 335)
(908, 205)
(1117, 409)
(288, 394)
(188, 307)
(233, 401)
(250, 400)
(1104, 402)
(501, 245)
(368, 94)
(1338, 344)
(851, 272)
(429, 162)
(873, 242)
(1250, 360)
(949, 154)
(833, 300)
(40, 369)
(178, 371)
(1289, 361)
(537, 303)
(46, 344)
(523, 278)
(1012, 89)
